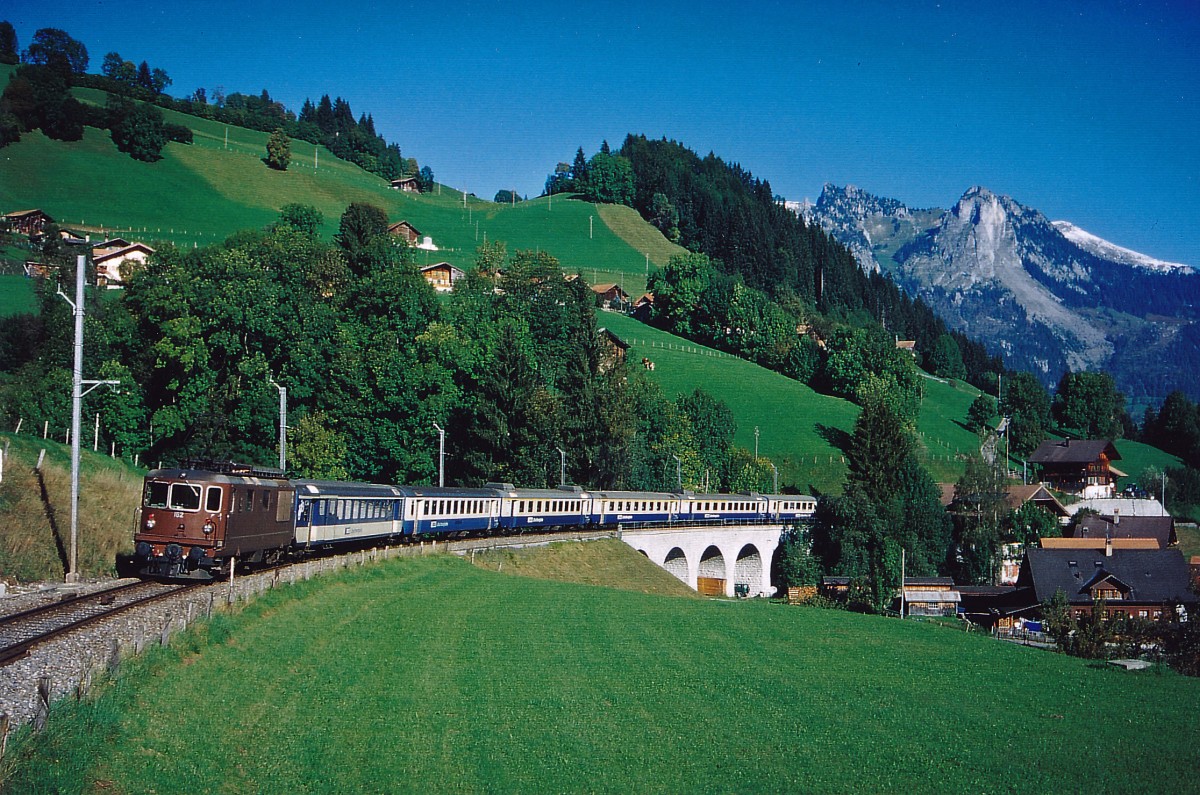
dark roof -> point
(922, 582)
(1160, 528)
(1155, 576)
(1073, 451)
(1018, 495)
(613, 338)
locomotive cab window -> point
(212, 502)
(266, 499)
(156, 495)
(184, 497)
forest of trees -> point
(371, 361)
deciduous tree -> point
(279, 150)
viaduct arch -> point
(732, 554)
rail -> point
(20, 632)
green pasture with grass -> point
(799, 430)
(199, 194)
(16, 295)
(430, 675)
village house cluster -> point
(1115, 551)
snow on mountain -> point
(1111, 251)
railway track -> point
(20, 632)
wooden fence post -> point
(4, 728)
(42, 710)
(114, 654)
(165, 635)
(139, 639)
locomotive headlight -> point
(208, 528)
(150, 523)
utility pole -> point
(282, 424)
(562, 472)
(679, 472)
(755, 442)
(590, 217)
(441, 454)
(77, 393)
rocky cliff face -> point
(1046, 295)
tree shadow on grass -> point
(835, 436)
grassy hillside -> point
(16, 295)
(200, 193)
(429, 675)
(609, 562)
(35, 513)
(799, 429)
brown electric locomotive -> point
(193, 521)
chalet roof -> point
(1098, 543)
(1074, 451)
(17, 214)
(396, 227)
(928, 583)
(102, 254)
(1159, 528)
(1154, 576)
(439, 265)
(1126, 506)
(613, 338)
(112, 242)
(1016, 496)
(601, 289)
(914, 595)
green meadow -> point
(430, 675)
(200, 193)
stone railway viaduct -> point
(714, 557)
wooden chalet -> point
(27, 222)
(1139, 583)
(1039, 495)
(612, 349)
(835, 587)
(611, 296)
(1079, 466)
(1012, 553)
(406, 184)
(909, 346)
(442, 276)
(995, 607)
(111, 256)
(930, 596)
(404, 229)
(643, 307)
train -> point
(197, 520)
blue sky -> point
(1088, 111)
